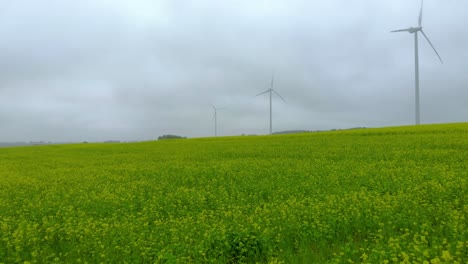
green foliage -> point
(238, 248)
(391, 195)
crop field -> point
(389, 195)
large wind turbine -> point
(415, 30)
(271, 91)
(215, 118)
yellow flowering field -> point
(389, 195)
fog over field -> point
(136, 69)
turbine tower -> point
(415, 30)
(215, 118)
(271, 91)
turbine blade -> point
(272, 79)
(400, 30)
(421, 13)
(424, 34)
(279, 96)
(267, 91)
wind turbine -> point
(215, 118)
(271, 91)
(415, 30)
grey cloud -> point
(133, 70)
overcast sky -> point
(75, 70)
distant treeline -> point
(163, 137)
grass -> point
(390, 195)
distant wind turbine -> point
(415, 30)
(271, 91)
(215, 118)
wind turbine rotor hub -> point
(414, 29)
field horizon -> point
(373, 195)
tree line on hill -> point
(164, 137)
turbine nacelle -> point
(414, 29)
